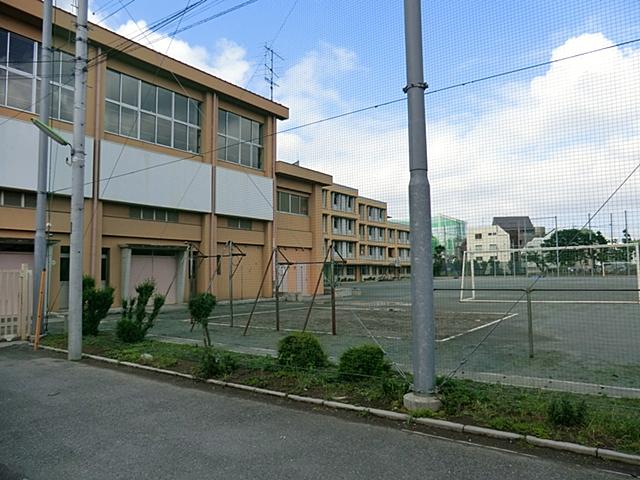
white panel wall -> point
(241, 194)
(19, 142)
(152, 178)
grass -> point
(610, 422)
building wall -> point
(487, 243)
(193, 191)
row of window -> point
(11, 198)
(292, 203)
(239, 140)
(153, 214)
(21, 79)
(133, 108)
(138, 109)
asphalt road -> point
(63, 420)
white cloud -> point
(225, 58)
(557, 144)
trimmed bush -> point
(200, 307)
(213, 363)
(364, 361)
(136, 321)
(95, 305)
(301, 350)
(567, 413)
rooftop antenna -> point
(270, 75)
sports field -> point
(574, 339)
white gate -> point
(16, 297)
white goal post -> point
(529, 263)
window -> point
(403, 237)
(64, 263)
(324, 199)
(479, 248)
(343, 226)
(137, 109)
(376, 214)
(342, 202)
(153, 214)
(376, 234)
(478, 236)
(239, 223)
(292, 203)
(13, 198)
(376, 253)
(20, 79)
(345, 249)
(239, 140)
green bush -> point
(301, 350)
(95, 305)
(457, 395)
(364, 361)
(136, 321)
(213, 363)
(200, 308)
(567, 413)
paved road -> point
(62, 420)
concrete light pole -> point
(422, 315)
(40, 241)
(77, 186)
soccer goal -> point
(572, 274)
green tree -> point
(95, 305)
(571, 237)
(136, 321)
(200, 308)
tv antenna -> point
(270, 75)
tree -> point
(200, 308)
(136, 321)
(577, 237)
(439, 260)
(95, 305)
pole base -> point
(418, 401)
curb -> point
(601, 453)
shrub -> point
(95, 305)
(364, 361)
(214, 363)
(567, 413)
(200, 308)
(136, 321)
(301, 350)
(457, 395)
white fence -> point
(16, 299)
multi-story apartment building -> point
(179, 163)
(489, 243)
(369, 246)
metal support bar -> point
(530, 322)
(253, 309)
(315, 292)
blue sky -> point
(531, 143)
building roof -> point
(513, 223)
(302, 173)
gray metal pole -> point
(77, 186)
(557, 251)
(422, 318)
(40, 243)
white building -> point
(488, 243)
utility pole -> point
(611, 227)
(77, 185)
(269, 70)
(422, 315)
(557, 249)
(40, 242)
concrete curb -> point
(602, 453)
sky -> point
(552, 141)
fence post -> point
(276, 261)
(333, 292)
(530, 322)
(24, 315)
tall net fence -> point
(533, 131)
